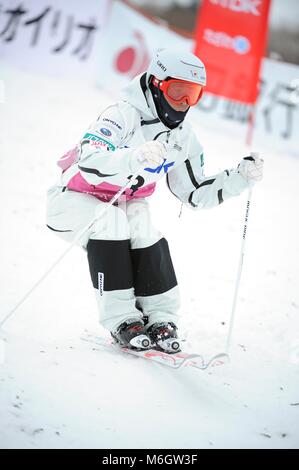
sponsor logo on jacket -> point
(202, 161)
(105, 132)
(99, 141)
(165, 166)
(113, 123)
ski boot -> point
(131, 334)
(164, 336)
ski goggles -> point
(178, 91)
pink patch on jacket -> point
(68, 159)
(106, 191)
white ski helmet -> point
(177, 64)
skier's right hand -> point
(152, 153)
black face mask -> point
(169, 116)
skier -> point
(146, 133)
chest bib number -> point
(140, 182)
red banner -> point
(231, 40)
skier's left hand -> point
(251, 168)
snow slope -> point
(55, 390)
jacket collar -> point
(139, 96)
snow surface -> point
(55, 390)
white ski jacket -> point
(103, 160)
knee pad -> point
(153, 270)
(110, 264)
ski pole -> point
(242, 253)
(72, 244)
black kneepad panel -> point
(153, 269)
(111, 258)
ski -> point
(174, 361)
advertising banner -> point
(51, 37)
(231, 41)
(128, 44)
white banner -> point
(278, 105)
(56, 37)
(129, 42)
(276, 114)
